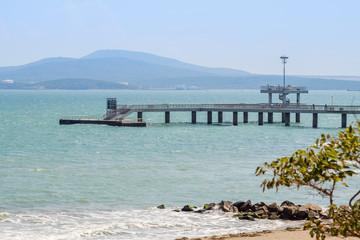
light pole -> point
(284, 59)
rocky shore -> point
(245, 210)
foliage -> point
(322, 167)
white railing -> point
(278, 87)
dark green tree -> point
(323, 167)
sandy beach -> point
(297, 234)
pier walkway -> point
(122, 111)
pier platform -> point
(119, 123)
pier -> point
(116, 114)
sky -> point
(320, 37)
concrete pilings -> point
(246, 117)
(139, 116)
(343, 120)
(235, 118)
(287, 119)
(270, 117)
(315, 120)
(167, 117)
(209, 117)
(193, 117)
(297, 117)
(220, 117)
(261, 118)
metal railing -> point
(278, 87)
(236, 106)
(78, 117)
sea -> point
(102, 182)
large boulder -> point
(187, 208)
(288, 212)
(262, 207)
(273, 207)
(312, 207)
(287, 203)
(243, 206)
(227, 206)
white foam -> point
(135, 224)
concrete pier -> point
(167, 117)
(209, 117)
(315, 120)
(287, 119)
(220, 117)
(270, 117)
(235, 118)
(261, 118)
(193, 117)
(116, 114)
(246, 117)
(343, 120)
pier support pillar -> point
(297, 117)
(193, 117)
(139, 116)
(209, 117)
(283, 117)
(220, 117)
(261, 118)
(315, 120)
(297, 99)
(167, 117)
(270, 117)
(235, 118)
(343, 120)
(270, 98)
(246, 117)
(287, 119)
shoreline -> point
(286, 234)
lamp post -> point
(284, 59)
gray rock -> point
(227, 206)
(287, 203)
(273, 207)
(162, 206)
(245, 207)
(313, 207)
(187, 208)
(289, 211)
(239, 204)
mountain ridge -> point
(102, 68)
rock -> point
(290, 210)
(227, 206)
(187, 208)
(273, 207)
(313, 207)
(344, 208)
(209, 206)
(239, 204)
(302, 212)
(287, 203)
(245, 207)
(313, 214)
(162, 206)
(247, 216)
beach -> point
(287, 234)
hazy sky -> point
(321, 37)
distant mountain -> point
(119, 69)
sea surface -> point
(102, 182)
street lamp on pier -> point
(284, 60)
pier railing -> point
(236, 106)
(78, 117)
(278, 87)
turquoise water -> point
(102, 182)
